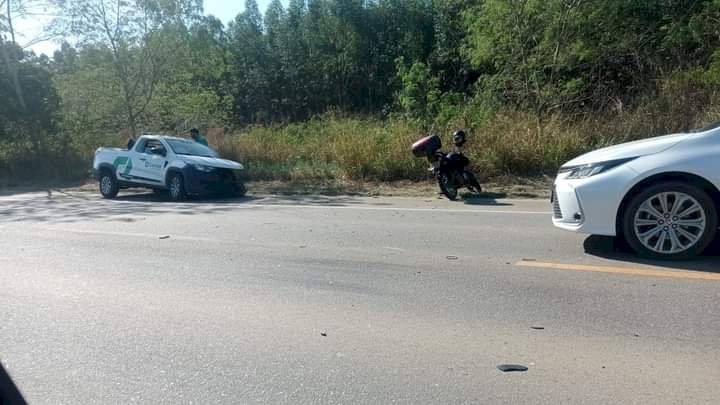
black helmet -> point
(459, 138)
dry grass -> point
(332, 149)
(329, 149)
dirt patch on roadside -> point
(505, 187)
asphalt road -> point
(342, 300)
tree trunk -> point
(10, 26)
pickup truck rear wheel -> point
(109, 186)
(176, 187)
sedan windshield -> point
(192, 148)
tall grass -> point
(332, 147)
(506, 142)
(328, 148)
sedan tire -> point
(670, 221)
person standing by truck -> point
(195, 135)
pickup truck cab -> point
(164, 163)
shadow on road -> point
(339, 201)
(68, 207)
(9, 393)
(486, 199)
(14, 189)
(611, 248)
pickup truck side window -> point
(150, 145)
(140, 146)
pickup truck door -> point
(148, 166)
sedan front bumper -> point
(591, 205)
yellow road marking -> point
(648, 272)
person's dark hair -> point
(194, 131)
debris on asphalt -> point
(451, 257)
(303, 246)
(538, 327)
(323, 334)
(164, 237)
(505, 368)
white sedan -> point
(660, 194)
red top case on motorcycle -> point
(427, 146)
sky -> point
(30, 28)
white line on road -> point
(366, 208)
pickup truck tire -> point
(176, 187)
(241, 190)
(108, 184)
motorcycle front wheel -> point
(447, 188)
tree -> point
(420, 91)
(532, 49)
(32, 118)
(251, 67)
(141, 35)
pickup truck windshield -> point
(192, 148)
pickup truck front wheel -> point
(109, 186)
(176, 187)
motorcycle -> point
(450, 169)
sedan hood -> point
(630, 149)
(212, 162)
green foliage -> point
(533, 81)
(420, 92)
(28, 115)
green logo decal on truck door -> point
(123, 160)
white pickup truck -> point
(169, 164)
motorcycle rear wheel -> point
(473, 183)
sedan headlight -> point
(591, 169)
(203, 168)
